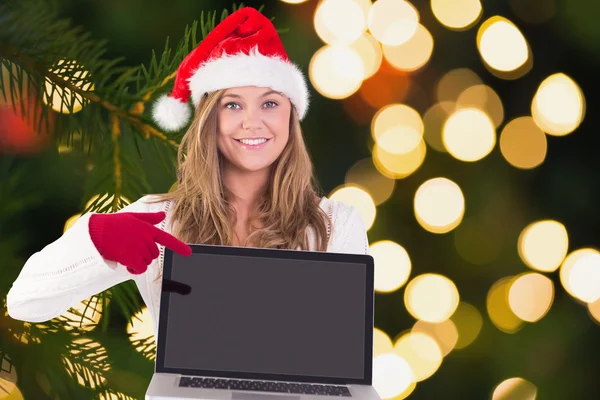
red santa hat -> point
(243, 50)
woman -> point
(244, 179)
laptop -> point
(264, 324)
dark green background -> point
(559, 354)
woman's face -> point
(253, 126)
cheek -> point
(279, 125)
(227, 124)
(221, 143)
(226, 128)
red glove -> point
(130, 238)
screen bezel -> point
(364, 259)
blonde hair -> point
(202, 212)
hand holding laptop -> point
(130, 238)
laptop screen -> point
(263, 315)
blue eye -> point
(270, 104)
(232, 105)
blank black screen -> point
(269, 316)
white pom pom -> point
(171, 114)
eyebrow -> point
(237, 96)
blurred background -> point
(464, 133)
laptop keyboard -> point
(264, 386)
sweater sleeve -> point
(354, 233)
(63, 273)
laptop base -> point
(166, 387)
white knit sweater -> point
(70, 269)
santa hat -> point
(243, 50)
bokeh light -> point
(523, 144)
(381, 342)
(64, 100)
(468, 322)
(71, 221)
(93, 354)
(84, 315)
(357, 110)
(365, 6)
(339, 21)
(580, 274)
(105, 201)
(364, 174)
(499, 309)
(484, 98)
(457, 14)
(26, 335)
(112, 395)
(558, 106)
(398, 166)
(406, 393)
(387, 86)
(392, 22)
(421, 352)
(431, 297)
(454, 83)
(515, 389)
(9, 390)
(433, 121)
(594, 310)
(543, 245)
(444, 333)
(391, 375)
(369, 50)
(392, 265)
(397, 129)
(412, 54)
(336, 72)
(530, 296)
(469, 134)
(140, 329)
(359, 198)
(502, 45)
(439, 205)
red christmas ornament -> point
(19, 133)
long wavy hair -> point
(287, 209)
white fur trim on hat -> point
(252, 69)
(171, 114)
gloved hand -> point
(130, 238)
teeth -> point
(253, 142)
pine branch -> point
(87, 318)
(146, 347)
(82, 81)
(75, 93)
(113, 395)
(87, 361)
(126, 297)
(118, 178)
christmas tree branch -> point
(116, 133)
(32, 65)
(138, 108)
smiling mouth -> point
(253, 141)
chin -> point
(253, 166)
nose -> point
(252, 120)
